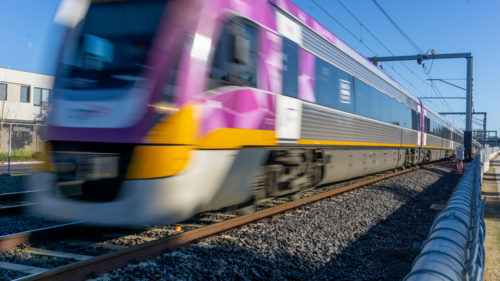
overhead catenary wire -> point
(399, 29)
(364, 26)
(370, 48)
(436, 90)
(412, 73)
(375, 37)
(344, 27)
(427, 72)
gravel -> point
(79, 250)
(366, 234)
(12, 203)
(6, 275)
(21, 257)
(9, 184)
(21, 223)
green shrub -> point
(37, 155)
(20, 155)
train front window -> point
(235, 59)
(110, 48)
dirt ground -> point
(490, 189)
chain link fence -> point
(21, 143)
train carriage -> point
(163, 109)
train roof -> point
(298, 14)
(291, 8)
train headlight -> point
(164, 108)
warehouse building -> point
(23, 101)
(23, 95)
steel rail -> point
(19, 209)
(16, 196)
(12, 241)
(109, 262)
(14, 209)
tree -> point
(8, 111)
(41, 120)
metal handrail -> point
(454, 248)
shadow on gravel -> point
(490, 177)
(489, 193)
(386, 251)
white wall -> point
(14, 108)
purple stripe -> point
(307, 68)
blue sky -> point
(30, 42)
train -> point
(164, 109)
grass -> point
(20, 155)
(492, 220)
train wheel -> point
(296, 196)
(246, 210)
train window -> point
(324, 83)
(415, 120)
(235, 59)
(169, 87)
(397, 108)
(110, 55)
(343, 93)
(376, 104)
(388, 107)
(334, 87)
(362, 94)
(369, 102)
(405, 116)
(290, 67)
(223, 59)
(245, 66)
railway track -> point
(154, 241)
(15, 203)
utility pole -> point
(468, 115)
(496, 136)
(468, 109)
(462, 113)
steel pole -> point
(484, 129)
(468, 114)
(10, 142)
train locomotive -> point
(164, 109)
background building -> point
(22, 95)
(23, 99)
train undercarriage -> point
(291, 171)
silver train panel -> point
(237, 186)
(409, 136)
(437, 154)
(343, 164)
(319, 123)
(434, 141)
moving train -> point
(163, 109)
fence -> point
(22, 142)
(487, 154)
(454, 247)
